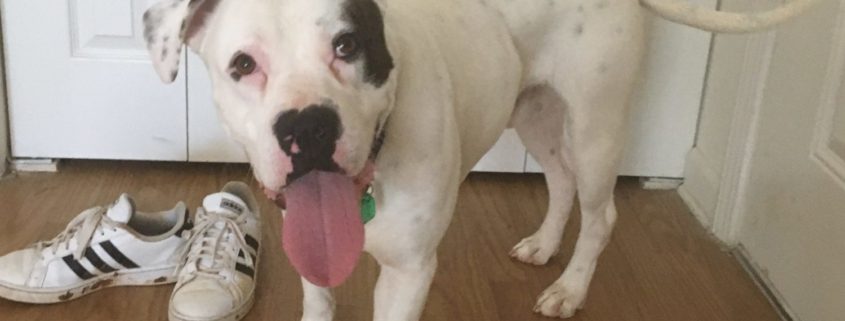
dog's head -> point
(303, 85)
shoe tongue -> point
(322, 233)
(224, 203)
(122, 209)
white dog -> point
(329, 97)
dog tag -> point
(368, 207)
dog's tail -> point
(681, 11)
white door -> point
(81, 85)
(794, 224)
(663, 121)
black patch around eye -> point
(367, 23)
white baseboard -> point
(701, 186)
(695, 207)
(35, 165)
(660, 183)
(759, 275)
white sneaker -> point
(217, 281)
(100, 248)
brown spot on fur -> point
(160, 280)
(579, 29)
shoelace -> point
(81, 229)
(210, 243)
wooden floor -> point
(660, 265)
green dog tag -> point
(368, 207)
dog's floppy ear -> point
(169, 25)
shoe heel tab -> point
(244, 192)
(185, 222)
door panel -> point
(795, 205)
(81, 85)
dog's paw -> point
(561, 301)
(535, 250)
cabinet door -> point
(81, 85)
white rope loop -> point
(681, 11)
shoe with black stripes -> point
(217, 280)
(102, 247)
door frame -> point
(4, 117)
(716, 195)
(728, 188)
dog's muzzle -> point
(309, 137)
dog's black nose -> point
(309, 137)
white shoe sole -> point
(235, 315)
(135, 277)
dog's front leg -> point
(404, 242)
(317, 303)
(402, 289)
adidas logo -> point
(232, 206)
(97, 263)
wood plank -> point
(660, 265)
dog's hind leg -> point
(596, 148)
(592, 61)
(595, 130)
(538, 119)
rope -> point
(683, 12)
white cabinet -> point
(81, 86)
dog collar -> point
(368, 202)
(368, 206)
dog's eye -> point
(242, 65)
(345, 46)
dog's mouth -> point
(362, 182)
(323, 231)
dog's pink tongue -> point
(323, 234)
